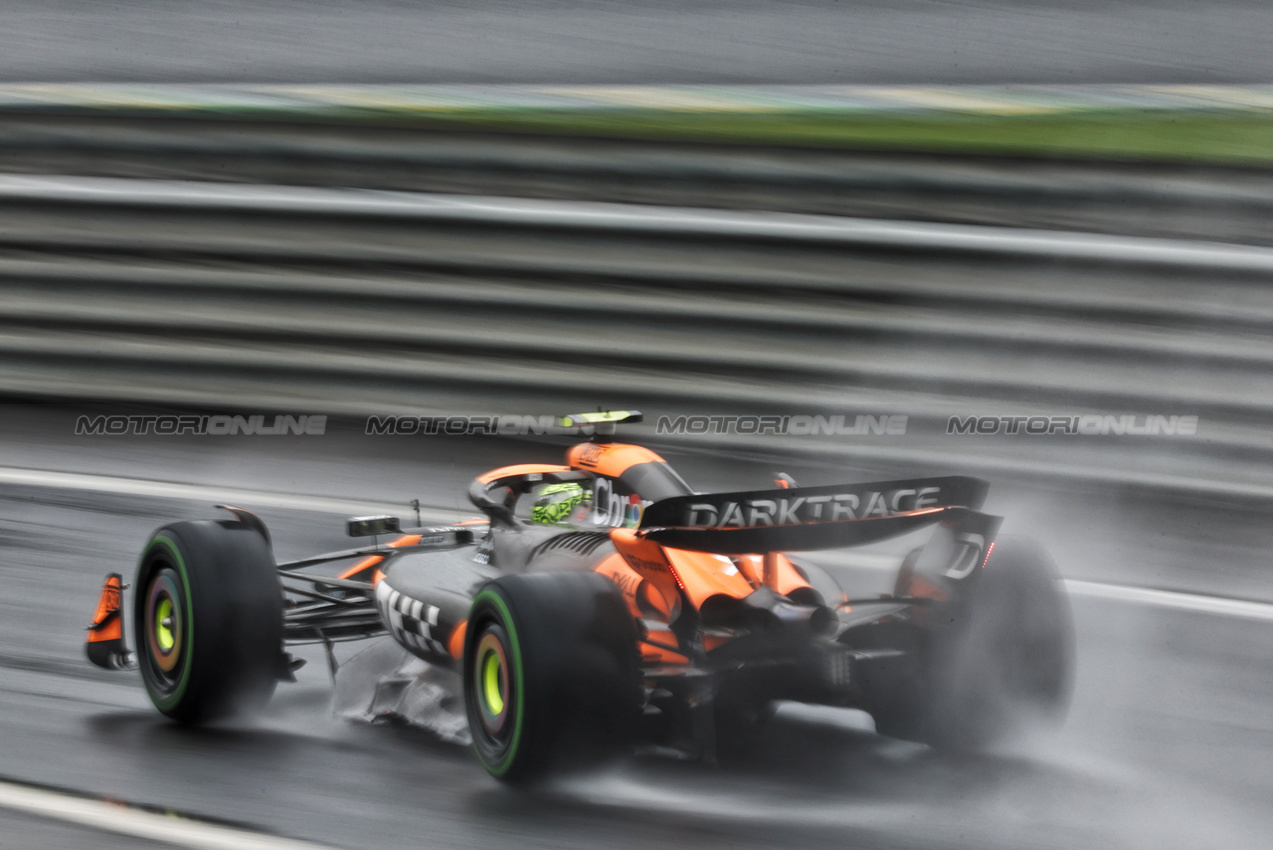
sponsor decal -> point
(797, 506)
(644, 565)
(628, 583)
(799, 509)
(592, 454)
(615, 509)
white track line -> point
(324, 504)
(210, 493)
(1172, 599)
(139, 823)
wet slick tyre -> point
(208, 620)
(551, 676)
(1004, 660)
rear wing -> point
(808, 518)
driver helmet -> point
(555, 502)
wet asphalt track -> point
(1167, 744)
(638, 41)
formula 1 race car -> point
(603, 603)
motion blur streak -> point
(195, 492)
(640, 41)
(621, 218)
(409, 303)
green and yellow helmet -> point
(555, 502)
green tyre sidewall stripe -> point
(173, 699)
(515, 663)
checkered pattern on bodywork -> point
(412, 622)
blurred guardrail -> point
(363, 302)
(1126, 197)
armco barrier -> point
(356, 301)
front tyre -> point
(208, 620)
(551, 676)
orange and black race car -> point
(604, 604)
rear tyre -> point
(1004, 660)
(551, 675)
(208, 620)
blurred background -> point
(920, 212)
